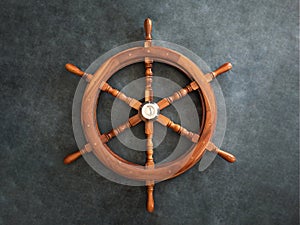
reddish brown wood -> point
(177, 128)
(89, 105)
(177, 95)
(72, 157)
(150, 172)
(148, 29)
(222, 69)
(149, 130)
(225, 155)
(118, 94)
(150, 198)
(74, 69)
(149, 98)
(134, 120)
(149, 164)
(148, 74)
(149, 134)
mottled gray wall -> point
(260, 38)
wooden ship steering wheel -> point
(148, 112)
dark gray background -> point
(260, 38)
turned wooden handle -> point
(72, 157)
(148, 29)
(222, 69)
(74, 69)
(150, 199)
(227, 156)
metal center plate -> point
(150, 111)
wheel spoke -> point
(149, 133)
(120, 95)
(131, 122)
(165, 121)
(177, 95)
(149, 124)
(148, 74)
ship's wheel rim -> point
(162, 171)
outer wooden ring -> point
(90, 125)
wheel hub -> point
(150, 110)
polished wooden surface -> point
(156, 53)
(118, 94)
(74, 69)
(72, 157)
(165, 121)
(148, 75)
(225, 155)
(222, 69)
(150, 173)
(106, 155)
(150, 198)
(132, 121)
(148, 29)
(149, 129)
(177, 95)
